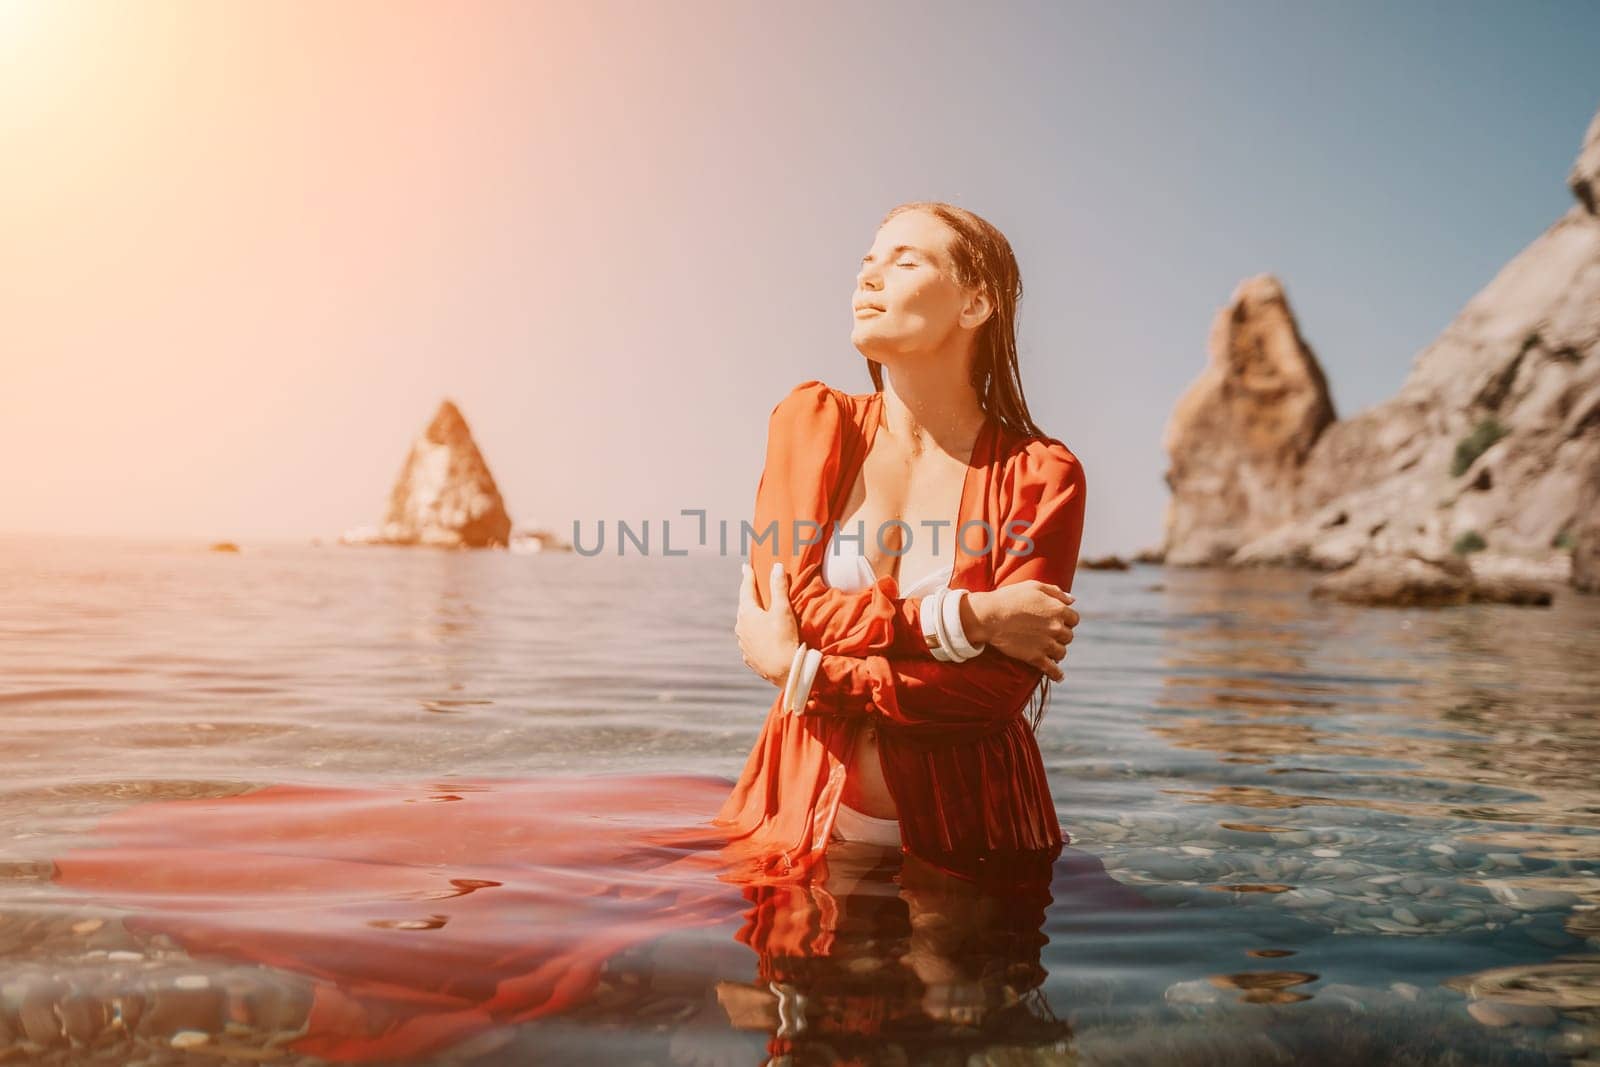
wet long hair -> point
(982, 257)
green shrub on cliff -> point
(1471, 541)
(1476, 444)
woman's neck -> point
(935, 407)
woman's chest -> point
(901, 513)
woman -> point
(905, 662)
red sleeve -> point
(805, 438)
(1046, 507)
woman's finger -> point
(779, 584)
(747, 586)
(1048, 666)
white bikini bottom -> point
(852, 825)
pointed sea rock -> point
(1238, 437)
(445, 494)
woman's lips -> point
(868, 310)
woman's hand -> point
(767, 638)
(1031, 621)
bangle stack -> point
(942, 628)
(802, 673)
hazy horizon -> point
(253, 246)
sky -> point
(246, 248)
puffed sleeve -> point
(805, 438)
(1045, 516)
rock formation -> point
(1492, 445)
(445, 494)
(1414, 581)
(1584, 181)
(1239, 436)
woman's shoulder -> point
(814, 405)
(1039, 460)
(810, 393)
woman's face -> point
(906, 298)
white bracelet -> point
(794, 674)
(963, 649)
(932, 609)
(942, 617)
(807, 674)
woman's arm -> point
(804, 438)
(1048, 499)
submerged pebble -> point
(1506, 1013)
(189, 1038)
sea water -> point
(1356, 835)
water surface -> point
(1301, 832)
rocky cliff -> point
(1491, 449)
(445, 494)
(1239, 438)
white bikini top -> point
(843, 567)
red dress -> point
(958, 756)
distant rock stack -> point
(1490, 451)
(445, 495)
(1238, 438)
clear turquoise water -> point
(1366, 836)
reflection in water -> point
(420, 918)
(887, 959)
(1432, 723)
(1266, 987)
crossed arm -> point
(991, 687)
(874, 659)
